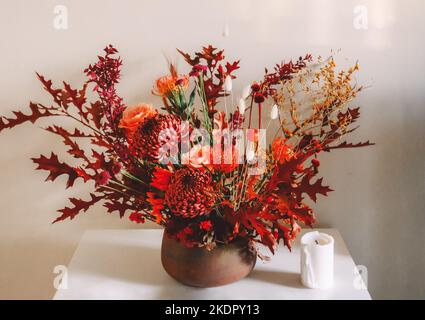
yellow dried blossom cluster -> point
(312, 100)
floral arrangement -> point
(206, 175)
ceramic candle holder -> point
(317, 260)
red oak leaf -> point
(115, 205)
(214, 75)
(75, 149)
(56, 168)
(289, 233)
(48, 86)
(78, 206)
(250, 219)
(83, 174)
(76, 97)
(346, 144)
(137, 217)
(304, 214)
(96, 112)
(37, 111)
(98, 140)
(311, 189)
(283, 172)
(100, 160)
(67, 96)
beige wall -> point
(379, 201)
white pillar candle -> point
(317, 260)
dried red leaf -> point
(120, 207)
(56, 168)
(78, 206)
(74, 149)
(346, 144)
(37, 111)
(55, 93)
(311, 189)
(137, 217)
(214, 75)
(96, 112)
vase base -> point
(198, 267)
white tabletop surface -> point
(126, 264)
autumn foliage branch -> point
(199, 201)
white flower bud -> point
(274, 113)
(246, 92)
(242, 106)
(228, 84)
(226, 31)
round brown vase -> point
(198, 267)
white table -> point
(126, 264)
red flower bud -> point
(315, 162)
(103, 178)
(255, 87)
(259, 98)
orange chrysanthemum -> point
(167, 84)
(134, 116)
(191, 193)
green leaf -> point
(201, 92)
(183, 104)
(132, 177)
(192, 98)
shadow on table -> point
(174, 290)
(287, 279)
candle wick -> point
(317, 242)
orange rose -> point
(167, 84)
(134, 116)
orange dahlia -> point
(167, 84)
(190, 193)
(134, 116)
